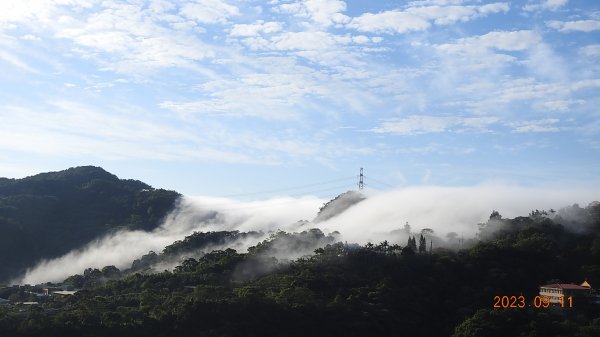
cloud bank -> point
(443, 209)
(192, 214)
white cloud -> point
(65, 129)
(491, 51)
(501, 40)
(15, 61)
(360, 39)
(420, 18)
(510, 41)
(125, 37)
(132, 40)
(284, 88)
(584, 84)
(255, 29)
(30, 37)
(321, 12)
(121, 248)
(574, 26)
(417, 124)
(444, 209)
(496, 7)
(550, 5)
(561, 105)
(36, 10)
(436, 2)
(592, 50)
(525, 93)
(477, 123)
(389, 22)
(321, 47)
(209, 11)
(7, 44)
(541, 125)
(278, 95)
(547, 64)
(307, 41)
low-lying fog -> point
(443, 209)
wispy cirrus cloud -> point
(541, 125)
(277, 95)
(545, 5)
(16, 61)
(67, 128)
(419, 18)
(280, 89)
(561, 105)
(422, 124)
(498, 40)
(513, 91)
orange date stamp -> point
(539, 302)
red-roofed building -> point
(557, 292)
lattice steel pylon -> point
(361, 183)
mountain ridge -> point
(48, 214)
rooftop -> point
(565, 286)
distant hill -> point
(338, 205)
(49, 214)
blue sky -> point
(221, 97)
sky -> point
(224, 97)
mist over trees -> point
(50, 214)
(338, 289)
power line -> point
(210, 205)
(298, 187)
(323, 190)
(380, 182)
(361, 184)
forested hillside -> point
(49, 214)
(341, 289)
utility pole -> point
(361, 183)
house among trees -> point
(62, 290)
(49, 290)
(559, 292)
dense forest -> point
(339, 289)
(50, 214)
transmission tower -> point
(361, 183)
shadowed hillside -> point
(49, 214)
